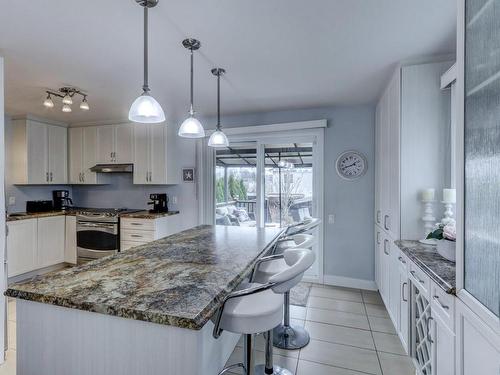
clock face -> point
(351, 165)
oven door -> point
(96, 240)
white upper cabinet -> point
(37, 152)
(115, 144)
(82, 150)
(154, 162)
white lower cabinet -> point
(35, 243)
(404, 306)
(443, 343)
(21, 246)
(136, 232)
(70, 241)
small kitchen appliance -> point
(159, 202)
(38, 206)
(61, 200)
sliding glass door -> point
(270, 180)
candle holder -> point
(448, 213)
(429, 221)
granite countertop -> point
(145, 214)
(34, 215)
(178, 280)
(439, 269)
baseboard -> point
(349, 282)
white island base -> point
(53, 340)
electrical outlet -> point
(12, 201)
(331, 219)
(174, 200)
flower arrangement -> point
(444, 232)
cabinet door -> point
(443, 346)
(21, 246)
(105, 144)
(378, 166)
(51, 242)
(38, 172)
(385, 270)
(141, 154)
(384, 162)
(158, 144)
(89, 154)
(404, 312)
(70, 240)
(378, 245)
(394, 289)
(75, 155)
(58, 149)
(124, 143)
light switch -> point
(331, 219)
(12, 201)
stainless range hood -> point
(113, 168)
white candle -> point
(449, 195)
(428, 195)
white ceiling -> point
(279, 54)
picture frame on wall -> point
(188, 175)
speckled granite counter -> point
(439, 269)
(35, 215)
(147, 215)
(179, 280)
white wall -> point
(2, 215)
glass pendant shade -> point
(67, 100)
(66, 108)
(48, 103)
(84, 105)
(191, 128)
(146, 109)
(218, 139)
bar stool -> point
(285, 335)
(256, 308)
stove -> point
(98, 232)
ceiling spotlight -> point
(66, 108)
(67, 99)
(84, 104)
(48, 102)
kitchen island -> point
(144, 311)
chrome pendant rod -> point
(145, 87)
(218, 101)
(191, 111)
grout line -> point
(340, 367)
(340, 343)
(374, 344)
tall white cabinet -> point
(37, 153)
(82, 155)
(115, 144)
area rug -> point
(299, 295)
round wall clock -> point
(351, 165)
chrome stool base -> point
(261, 370)
(290, 337)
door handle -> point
(428, 323)
(403, 291)
(402, 260)
(47, 176)
(443, 306)
(378, 238)
(378, 216)
(51, 179)
(385, 247)
(386, 226)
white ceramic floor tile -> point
(385, 342)
(353, 295)
(344, 356)
(336, 304)
(340, 335)
(297, 312)
(372, 297)
(393, 364)
(376, 310)
(287, 362)
(337, 317)
(9, 366)
(381, 325)
(309, 368)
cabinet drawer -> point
(137, 224)
(420, 279)
(443, 304)
(126, 245)
(137, 235)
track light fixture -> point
(66, 94)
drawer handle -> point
(429, 319)
(402, 260)
(136, 224)
(135, 236)
(403, 292)
(414, 275)
(443, 306)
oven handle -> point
(93, 225)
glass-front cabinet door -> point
(482, 152)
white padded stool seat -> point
(254, 313)
(268, 269)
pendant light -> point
(218, 138)
(48, 102)
(191, 127)
(145, 108)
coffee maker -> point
(159, 202)
(61, 200)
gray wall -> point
(348, 249)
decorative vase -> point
(446, 249)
